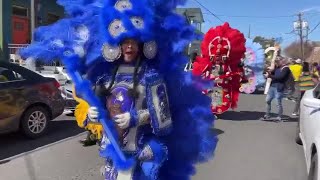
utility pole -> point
(33, 23)
(301, 35)
(307, 35)
(301, 25)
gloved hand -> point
(104, 142)
(93, 114)
(123, 120)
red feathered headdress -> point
(232, 38)
(233, 46)
(222, 45)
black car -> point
(28, 101)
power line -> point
(208, 20)
(262, 17)
(314, 28)
(312, 15)
(292, 32)
(208, 10)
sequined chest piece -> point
(120, 101)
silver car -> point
(66, 92)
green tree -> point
(265, 42)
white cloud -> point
(315, 8)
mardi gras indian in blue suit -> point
(156, 121)
(136, 98)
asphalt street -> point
(248, 149)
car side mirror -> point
(312, 103)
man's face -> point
(280, 63)
(130, 49)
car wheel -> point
(313, 173)
(35, 121)
(298, 139)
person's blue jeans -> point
(274, 93)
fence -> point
(13, 48)
(13, 52)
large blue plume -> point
(258, 61)
(78, 39)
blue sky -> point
(267, 27)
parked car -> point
(60, 74)
(28, 101)
(308, 131)
(66, 90)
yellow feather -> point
(81, 109)
(95, 128)
(81, 112)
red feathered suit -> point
(222, 51)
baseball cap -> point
(298, 61)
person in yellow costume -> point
(296, 71)
(315, 69)
(94, 129)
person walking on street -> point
(279, 76)
(306, 82)
(315, 69)
(189, 65)
(296, 70)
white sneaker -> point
(265, 118)
(103, 170)
(278, 119)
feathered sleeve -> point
(200, 65)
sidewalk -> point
(63, 160)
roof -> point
(194, 13)
(315, 55)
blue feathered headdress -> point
(255, 60)
(127, 19)
(91, 34)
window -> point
(52, 18)
(7, 75)
(316, 92)
(196, 25)
(20, 11)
